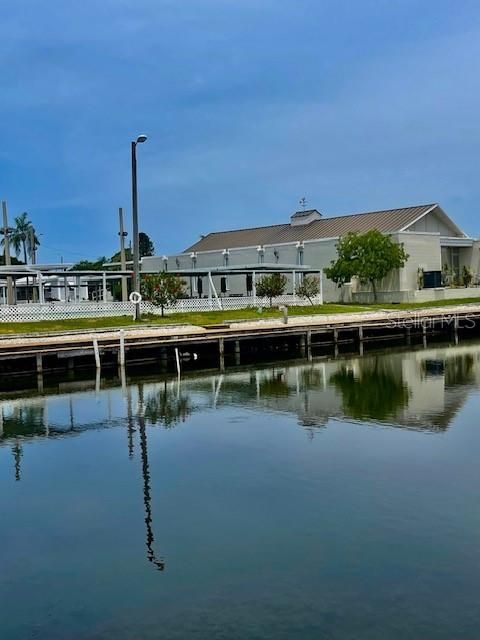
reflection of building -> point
(404, 389)
(423, 388)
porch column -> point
(104, 286)
(41, 293)
(320, 275)
(77, 288)
(294, 280)
(209, 292)
(65, 289)
(254, 287)
(210, 282)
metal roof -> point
(386, 221)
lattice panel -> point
(36, 312)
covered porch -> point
(460, 262)
(24, 284)
(222, 287)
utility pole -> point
(6, 246)
(33, 250)
(123, 234)
(33, 246)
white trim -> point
(442, 213)
(253, 246)
(434, 206)
(417, 233)
(447, 241)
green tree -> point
(23, 238)
(117, 256)
(145, 245)
(91, 265)
(162, 289)
(271, 286)
(309, 288)
(13, 260)
(368, 256)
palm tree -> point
(23, 238)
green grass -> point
(211, 317)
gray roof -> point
(387, 221)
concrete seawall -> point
(68, 350)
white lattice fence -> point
(240, 302)
(36, 312)
(63, 311)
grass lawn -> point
(211, 317)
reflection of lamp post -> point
(160, 564)
(136, 243)
(17, 457)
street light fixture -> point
(136, 244)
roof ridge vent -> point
(304, 217)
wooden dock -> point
(69, 350)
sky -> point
(248, 105)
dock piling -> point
(177, 361)
(309, 344)
(221, 352)
(96, 352)
(121, 353)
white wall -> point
(423, 249)
(424, 253)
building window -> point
(261, 254)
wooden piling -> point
(237, 351)
(163, 358)
(121, 353)
(302, 342)
(424, 334)
(309, 344)
(96, 352)
(221, 353)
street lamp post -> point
(136, 244)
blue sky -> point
(248, 104)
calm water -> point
(325, 500)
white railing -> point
(35, 312)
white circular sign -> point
(135, 297)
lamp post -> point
(136, 245)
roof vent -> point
(305, 217)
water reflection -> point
(167, 406)
(374, 392)
(420, 389)
(147, 495)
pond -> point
(334, 499)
